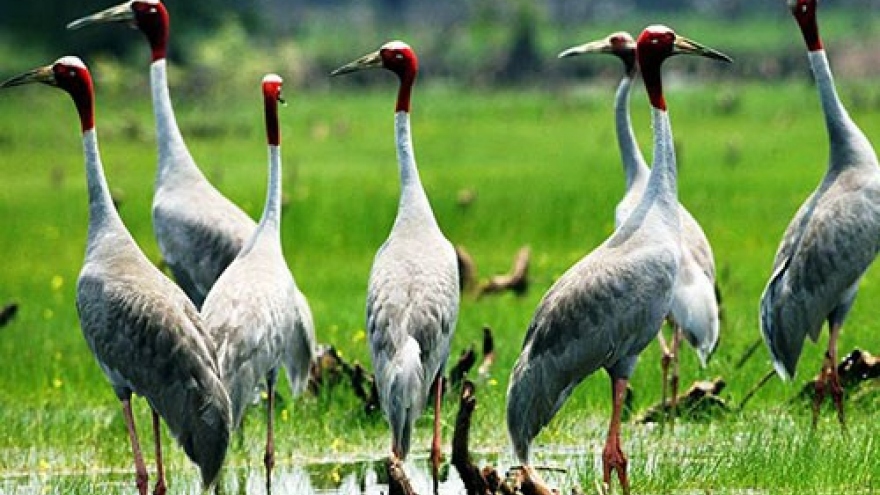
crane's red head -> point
(620, 44)
(804, 12)
(150, 16)
(656, 44)
(71, 75)
(395, 56)
(271, 97)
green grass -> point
(545, 170)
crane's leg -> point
(269, 457)
(834, 385)
(160, 488)
(435, 442)
(665, 360)
(140, 468)
(673, 406)
(613, 458)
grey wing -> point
(601, 313)
(147, 337)
(199, 239)
(819, 277)
(696, 244)
(302, 348)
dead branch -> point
(516, 280)
(699, 401)
(488, 352)
(474, 478)
(857, 367)
(461, 368)
(467, 269)
(8, 313)
(398, 483)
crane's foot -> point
(836, 391)
(142, 482)
(614, 460)
(160, 487)
(269, 463)
(665, 361)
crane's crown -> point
(272, 78)
(72, 61)
(395, 45)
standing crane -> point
(695, 300)
(146, 335)
(413, 293)
(608, 307)
(255, 313)
(198, 230)
(831, 241)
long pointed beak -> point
(39, 75)
(598, 46)
(369, 61)
(120, 13)
(686, 46)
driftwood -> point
(398, 483)
(8, 313)
(857, 367)
(461, 368)
(488, 353)
(700, 401)
(486, 480)
(517, 280)
(329, 368)
(467, 270)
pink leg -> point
(673, 406)
(269, 457)
(665, 360)
(435, 443)
(834, 386)
(160, 488)
(139, 468)
(613, 458)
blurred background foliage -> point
(469, 42)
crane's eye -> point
(398, 56)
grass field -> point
(545, 170)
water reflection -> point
(353, 477)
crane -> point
(145, 333)
(255, 312)
(831, 241)
(607, 308)
(695, 299)
(198, 230)
(413, 292)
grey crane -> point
(145, 333)
(831, 241)
(695, 300)
(256, 314)
(413, 292)
(608, 307)
(199, 231)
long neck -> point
(413, 200)
(271, 219)
(633, 162)
(845, 138)
(174, 157)
(662, 186)
(103, 216)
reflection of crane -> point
(198, 230)
(606, 308)
(830, 242)
(695, 303)
(144, 332)
(413, 295)
(255, 313)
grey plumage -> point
(603, 311)
(198, 230)
(413, 291)
(142, 329)
(606, 308)
(255, 312)
(831, 241)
